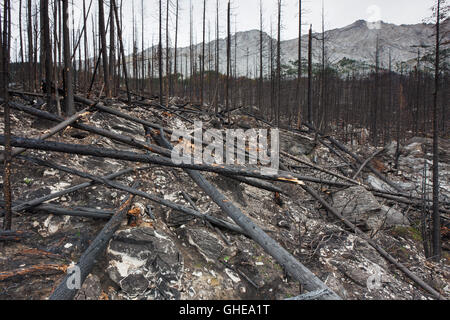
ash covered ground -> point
(164, 254)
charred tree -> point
(261, 67)
(436, 236)
(5, 40)
(299, 67)
(122, 50)
(112, 50)
(310, 111)
(227, 90)
(278, 66)
(30, 46)
(104, 51)
(202, 75)
(69, 106)
(167, 55)
(46, 49)
(161, 92)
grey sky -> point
(338, 13)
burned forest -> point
(161, 150)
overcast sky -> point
(338, 13)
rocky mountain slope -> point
(356, 41)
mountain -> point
(355, 42)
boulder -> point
(361, 207)
(207, 244)
(142, 260)
(297, 145)
(91, 289)
(357, 205)
(393, 217)
(377, 184)
(356, 201)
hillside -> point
(356, 41)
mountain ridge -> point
(356, 41)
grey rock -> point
(377, 184)
(358, 205)
(234, 187)
(177, 219)
(143, 253)
(297, 146)
(91, 289)
(207, 244)
(391, 149)
(393, 217)
(134, 284)
(355, 201)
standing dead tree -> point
(436, 236)
(168, 75)
(202, 75)
(30, 46)
(261, 67)
(299, 67)
(310, 111)
(112, 50)
(46, 49)
(69, 107)
(5, 40)
(104, 52)
(227, 89)
(278, 111)
(161, 99)
(175, 67)
(122, 50)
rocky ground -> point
(167, 255)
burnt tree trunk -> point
(69, 107)
(101, 22)
(436, 215)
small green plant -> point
(28, 181)
(408, 232)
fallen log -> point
(66, 290)
(334, 151)
(13, 235)
(125, 116)
(33, 270)
(138, 144)
(132, 142)
(372, 243)
(367, 161)
(191, 202)
(264, 185)
(62, 211)
(115, 185)
(316, 295)
(286, 128)
(52, 131)
(281, 255)
(147, 105)
(100, 131)
(35, 202)
(358, 159)
(282, 176)
(316, 167)
(402, 199)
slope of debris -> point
(162, 254)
